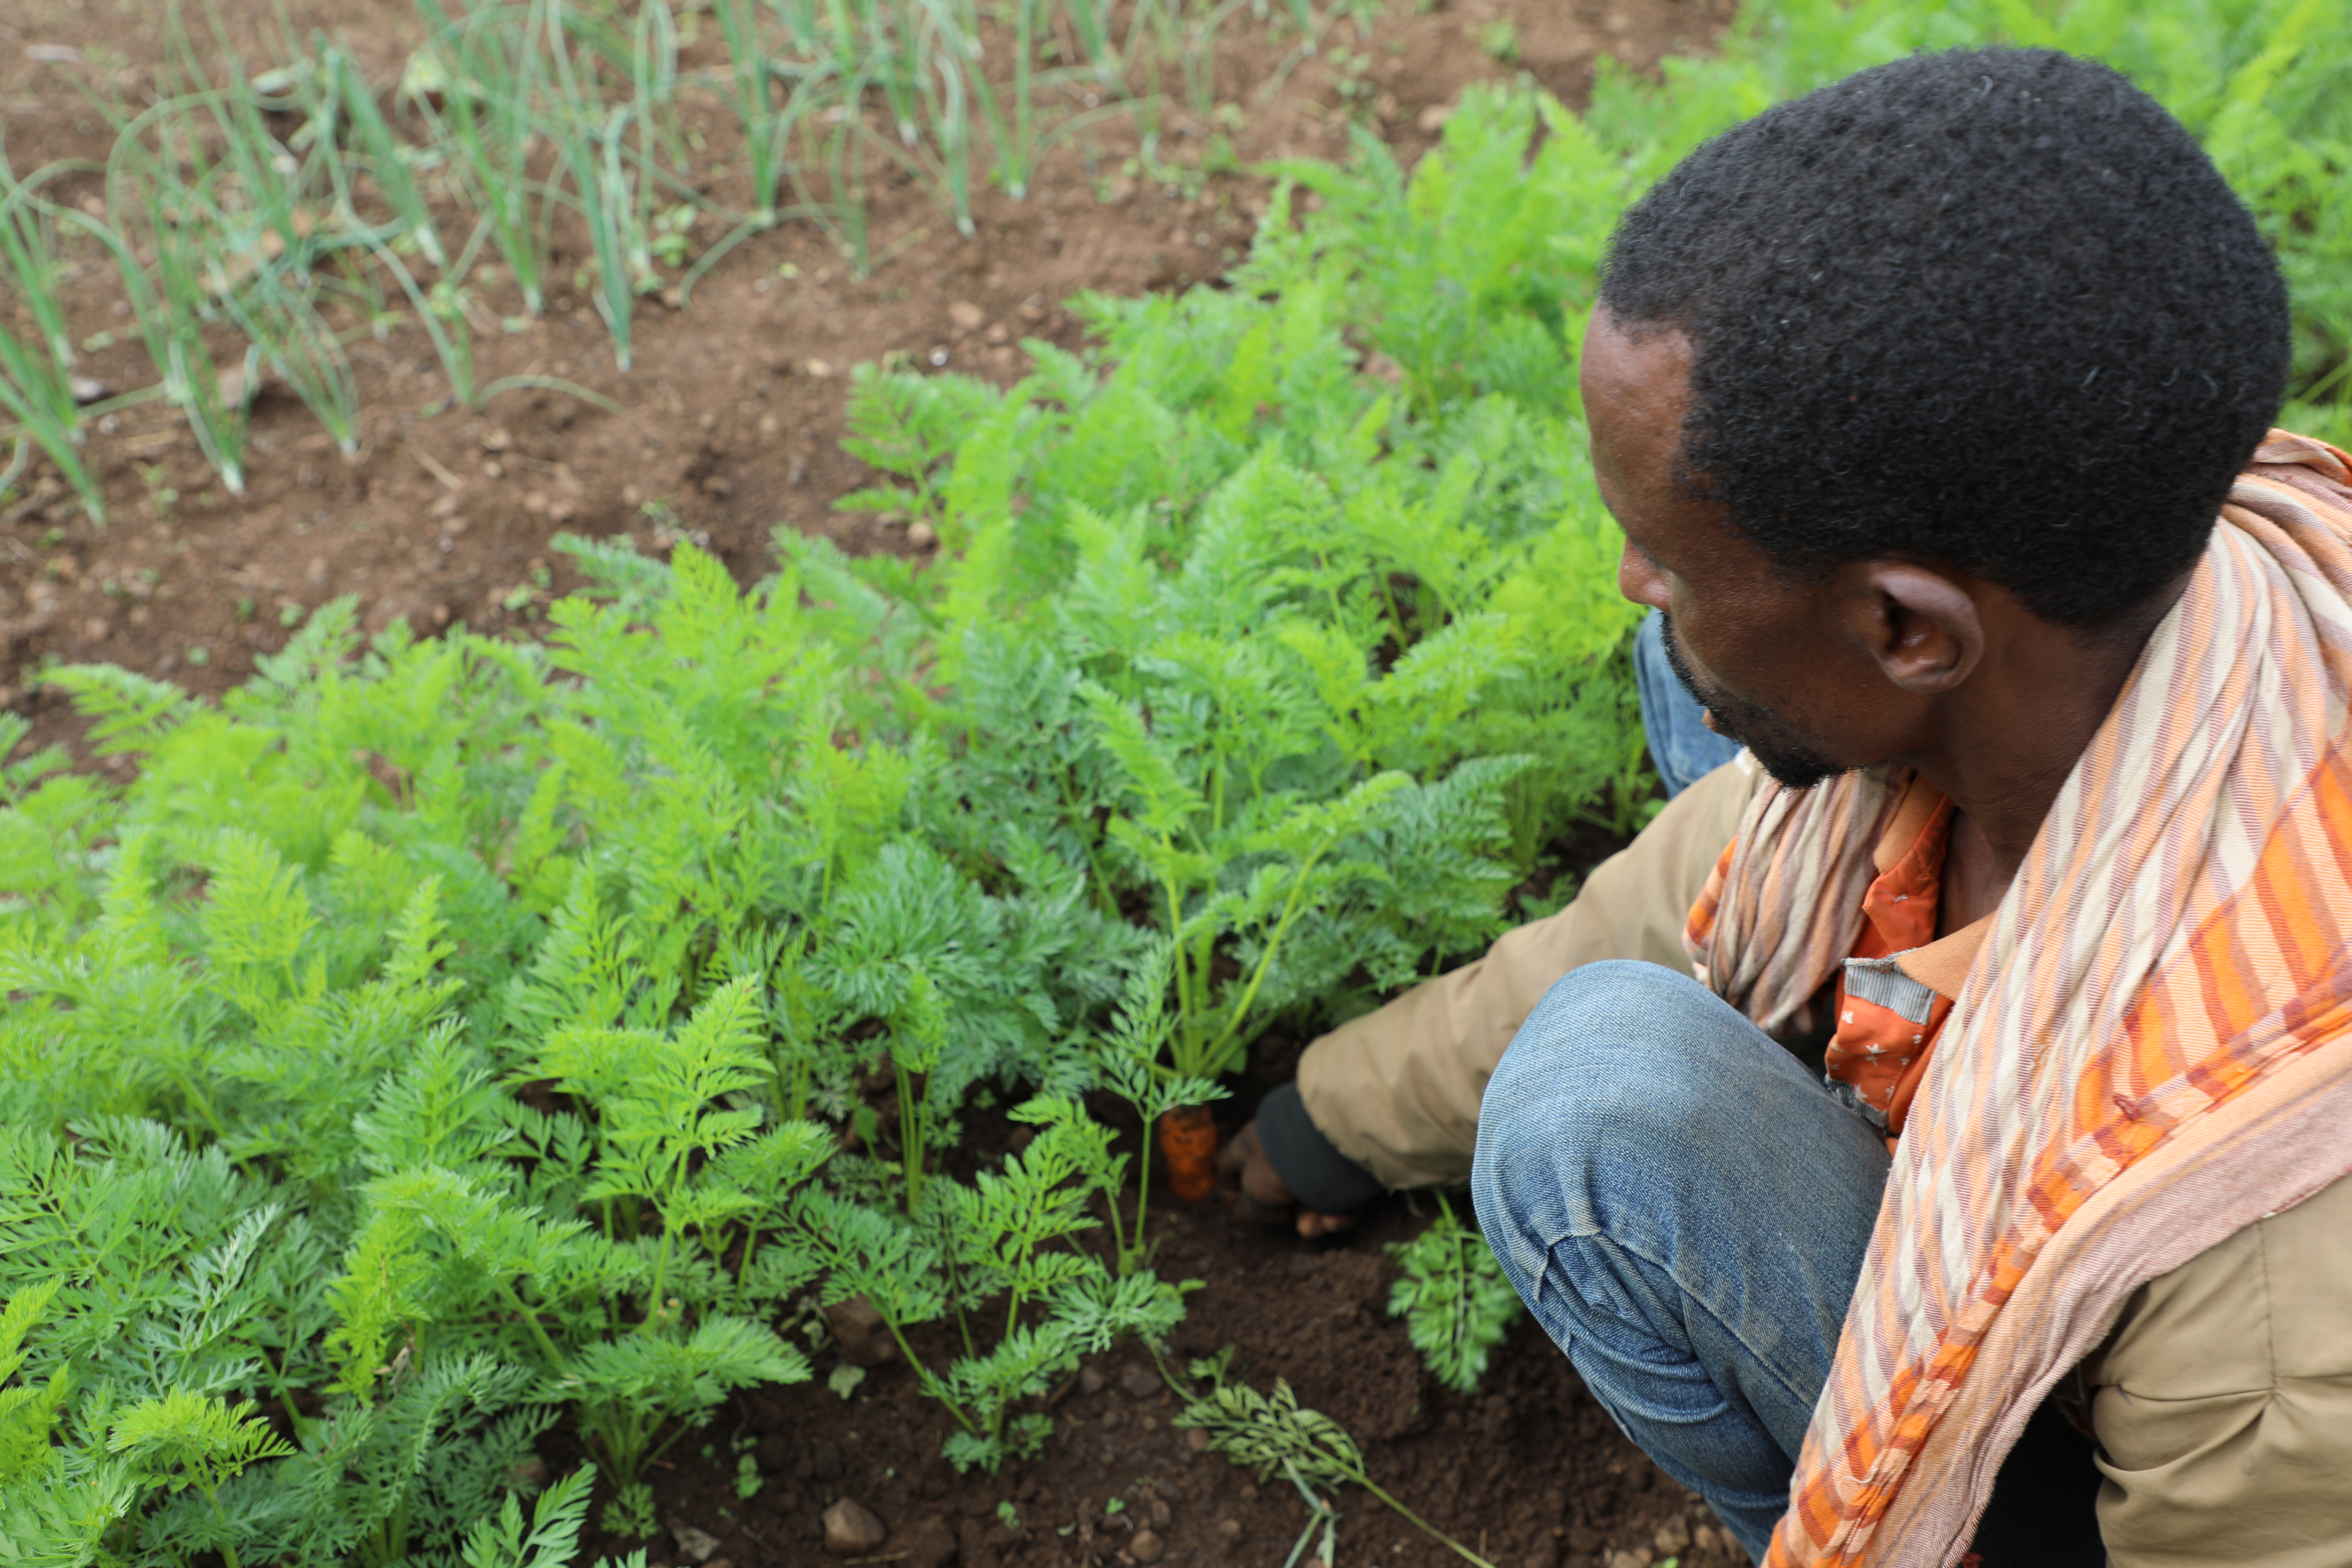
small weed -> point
(161, 497)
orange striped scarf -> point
(2152, 1049)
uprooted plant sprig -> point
(1272, 1433)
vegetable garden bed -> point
(700, 1017)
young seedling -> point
(995, 1241)
(1453, 1295)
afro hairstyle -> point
(1990, 308)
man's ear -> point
(1920, 625)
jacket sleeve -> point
(1396, 1091)
(2222, 1403)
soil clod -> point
(928, 1544)
(858, 1330)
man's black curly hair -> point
(1993, 308)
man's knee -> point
(1609, 1073)
(1613, 1040)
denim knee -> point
(1674, 1193)
(1621, 1061)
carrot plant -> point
(1453, 1297)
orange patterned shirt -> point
(1888, 1010)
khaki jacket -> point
(2223, 1400)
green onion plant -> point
(37, 377)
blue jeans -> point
(1684, 1208)
(1682, 748)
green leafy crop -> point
(437, 1039)
(1452, 1294)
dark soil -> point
(1529, 1471)
(734, 416)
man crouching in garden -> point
(1919, 400)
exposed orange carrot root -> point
(1188, 1141)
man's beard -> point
(1776, 743)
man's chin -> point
(1791, 765)
(1799, 778)
(1793, 768)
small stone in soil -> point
(1197, 1439)
(1138, 1382)
(1147, 1546)
(850, 1527)
(1090, 1381)
(1248, 1493)
(1628, 1559)
(1161, 1514)
(698, 1544)
(1671, 1537)
(1229, 1531)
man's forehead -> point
(1642, 361)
